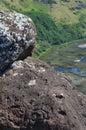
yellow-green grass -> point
(28, 5)
(58, 11)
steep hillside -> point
(69, 10)
(56, 21)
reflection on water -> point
(75, 71)
(71, 60)
(79, 82)
(83, 59)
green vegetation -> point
(46, 27)
(61, 26)
(64, 55)
(56, 21)
(68, 10)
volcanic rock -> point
(17, 37)
(35, 97)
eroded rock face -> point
(17, 37)
(34, 97)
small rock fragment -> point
(32, 82)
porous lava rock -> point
(17, 37)
(35, 97)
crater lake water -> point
(71, 60)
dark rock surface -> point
(17, 37)
(34, 97)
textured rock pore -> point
(34, 97)
(17, 37)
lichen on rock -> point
(17, 37)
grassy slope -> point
(57, 11)
(60, 12)
(27, 5)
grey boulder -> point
(17, 37)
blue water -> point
(83, 59)
(75, 71)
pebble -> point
(32, 82)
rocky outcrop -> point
(17, 37)
(34, 97)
